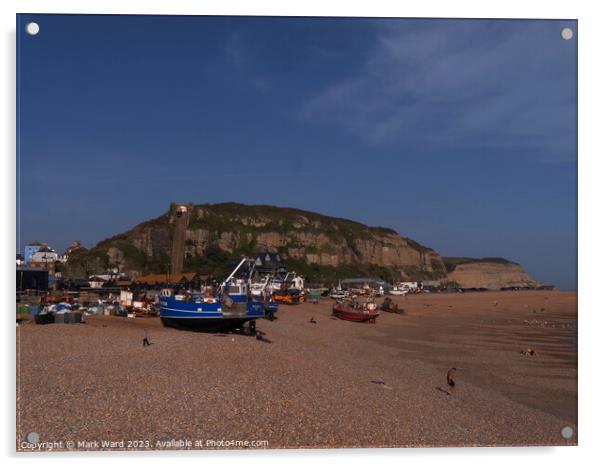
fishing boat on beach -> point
(290, 296)
(232, 306)
(355, 311)
(259, 292)
(339, 293)
(399, 291)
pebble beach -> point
(328, 384)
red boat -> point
(366, 312)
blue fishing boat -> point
(271, 306)
(231, 307)
(260, 292)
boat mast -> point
(234, 272)
(250, 277)
(265, 282)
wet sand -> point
(312, 385)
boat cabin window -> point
(235, 289)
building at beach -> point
(44, 255)
(97, 282)
(190, 280)
(271, 263)
(30, 250)
(29, 278)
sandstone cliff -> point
(311, 243)
(488, 273)
(324, 248)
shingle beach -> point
(309, 385)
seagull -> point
(450, 380)
(381, 383)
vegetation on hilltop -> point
(246, 222)
(452, 262)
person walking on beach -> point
(450, 380)
(145, 342)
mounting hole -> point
(566, 33)
(32, 28)
(566, 432)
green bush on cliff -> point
(452, 262)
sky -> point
(460, 134)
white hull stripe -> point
(210, 317)
(217, 311)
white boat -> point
(395, 291)
(339, 294)
(258, 289)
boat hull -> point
(209, 316)
(354, 315)
(216, 325)
(288, 299)
(271, 306)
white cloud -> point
(485, 83)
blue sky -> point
(460, 134)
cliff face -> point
(307, 241)
(324, 248)
(490, 275)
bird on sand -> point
(312, 321)
(450, 380)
